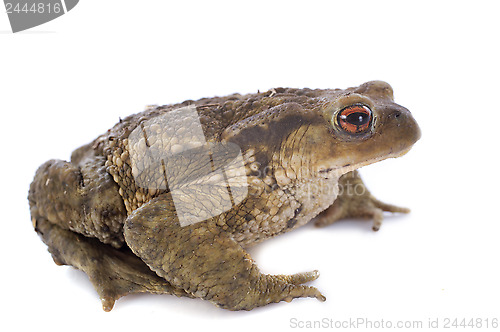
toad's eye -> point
(355, 119)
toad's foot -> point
(355, 201)
(114, 273)
(207, 262)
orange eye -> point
(355, 119)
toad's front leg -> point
(205, 261)
(356, 201)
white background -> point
(67, 81)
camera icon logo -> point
(170, 152)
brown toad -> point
(167, 199)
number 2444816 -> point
(34, 8)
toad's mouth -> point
(339, 171)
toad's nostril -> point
(396, 114)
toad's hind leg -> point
(205, 261)
(82, 198)
(356, 201)
(78, 213)
(114, 273)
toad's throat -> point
(339, 171)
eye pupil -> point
(357, 119)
